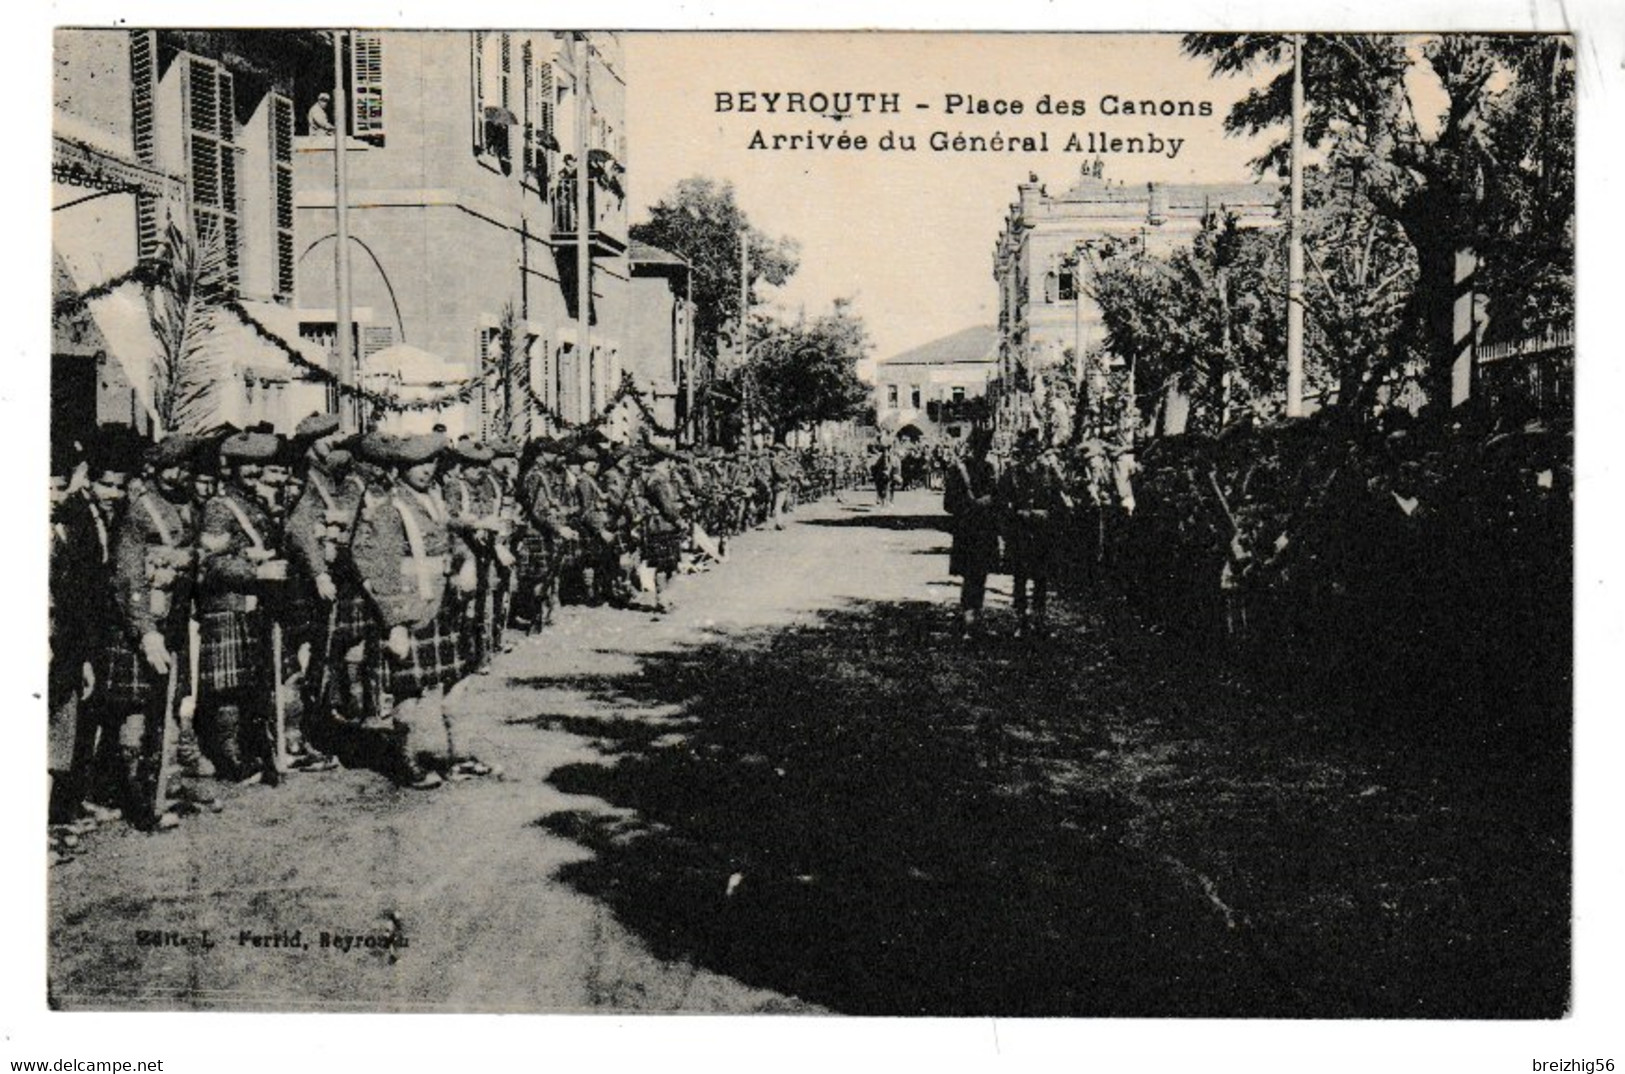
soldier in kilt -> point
(334, 616)
(471, 503)
(506, 517)
(238, 558)
(663, 519)
(592, 518)
(144, 661)
(543, 536)
(418, 575)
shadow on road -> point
(861, 814)
(884, 522)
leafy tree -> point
(805, 373)
(1493, 174)
(700, 221)
(1206, 321)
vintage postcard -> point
(1031, 524)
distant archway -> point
(910, 433)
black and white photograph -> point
(1029, 528)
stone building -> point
(190, 129)
(660, 351)
(461, 160)
(937, 389)
(1049, 329)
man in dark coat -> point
(1034, 505)
(969, 497)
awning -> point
(115, 324)
(414, 365)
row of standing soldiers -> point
(300, 602)
(1035, 512)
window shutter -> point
(546, 135)
(226, 116)
(507, 71)
(527, 65)
(143, 88)
(488, 355)
(367, 85)
(143, 84)
(282, 191)
(374, 338)
(477, 42)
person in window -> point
(320, 115)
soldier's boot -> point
(141, 772)
(405, 768)
(226, 742)
(187, 754)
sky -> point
(908, 235)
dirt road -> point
(799, 792)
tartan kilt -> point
(127, 681)
(663, 549)
(232, 651)
(571, 554)
(533, 559)
(353, 622)
(435, 657)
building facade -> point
(660, 354)
(161, 134)
(464, 240)
(468, 157)
(1049, 328)
(938, 389)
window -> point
(1050, 282)
(211, 126)
(958, 393)
(541, 375)
(367, 87)
(1068, 288)
(538, 100)
(493, 114)
(914, 396)
(891, 396)
(562, 360)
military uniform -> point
(153, 570)
(237, 546)
(336, 629)
(1034, 505)
(415, 571)
(545, 540)
(969, 497)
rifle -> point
(279, 747)
(166, 744)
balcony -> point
(604, 237)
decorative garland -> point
(451, 392)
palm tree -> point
(190, 285)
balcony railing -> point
(603, 242)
